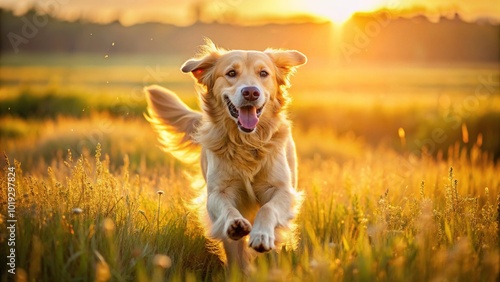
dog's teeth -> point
(259, 111)
(232, 109)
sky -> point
(187, 12)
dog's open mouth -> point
(247, 116)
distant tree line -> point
(365, 38)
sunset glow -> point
(255, 12)
(338, 12)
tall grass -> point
(362, 220)
(97, 225)
(382, 201)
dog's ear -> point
(286, 62)
(201, 67)
(286, 58)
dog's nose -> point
(250, 93)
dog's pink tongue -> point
(248, 117)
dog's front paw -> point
(261, 241)
(238, 228)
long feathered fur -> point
(174, 122)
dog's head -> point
(248, 85)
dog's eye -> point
(264, 73)
(231, 73)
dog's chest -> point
(255, 153)
(247, 162)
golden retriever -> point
(243, 138)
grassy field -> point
(399, 167)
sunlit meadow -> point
(399, 168)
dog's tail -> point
(174, 122)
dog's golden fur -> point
(245, 144)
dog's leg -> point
(291, 157)
(275, 213)
(222, 198)
(239, 256)
(278, 206)
(227, 221)
(230, 226)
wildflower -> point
(108, 226)
(162, 261)
(102, 273)
(465, 133)
(77, 211)
(136, 253)
(21, 275)
(402, 136)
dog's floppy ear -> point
(287, 58)
(201, 68)
(286, 62)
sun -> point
(339, 11)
